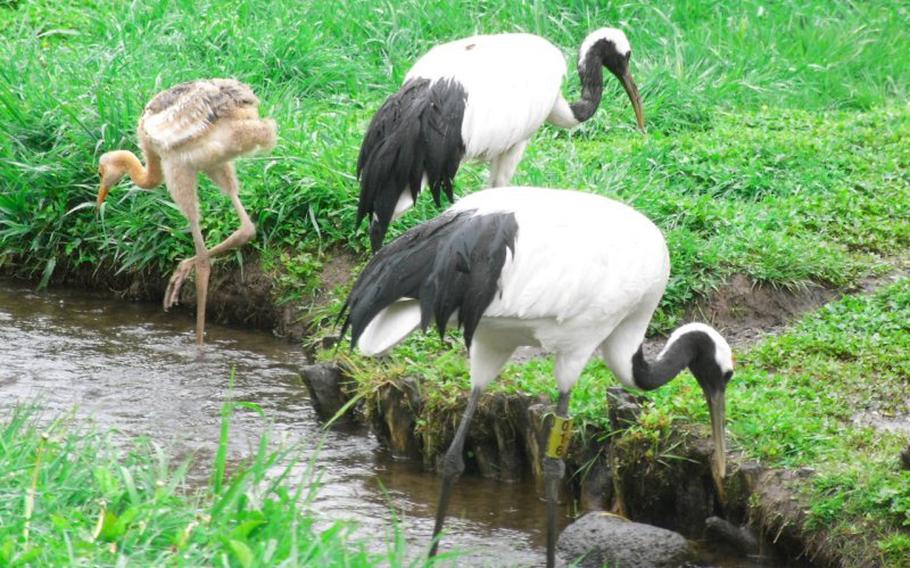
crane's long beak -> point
(632, 90)
(102, 194)
(717, 408)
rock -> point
(399, 407)
(604, 539)
(534, 438)
(624, 408)
(742, 538)
(597, 486)
(323, 380)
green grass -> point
(70, 497)
(775, 144)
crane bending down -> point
(198, 126)
(481, 97)
(574, 273)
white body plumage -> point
(512, 82)
(586, 275)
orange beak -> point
(102, 194)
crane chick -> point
(198, 126)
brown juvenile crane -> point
(198, 126)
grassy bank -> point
(801, 399)
(68, 497)
(774, 147)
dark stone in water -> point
(603, 539)
(740, 538)
(324, 380)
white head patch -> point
(610, 34)
(722, 352)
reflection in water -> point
(136, 369)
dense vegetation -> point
(774, 147)
(777, 148)
(70, 497)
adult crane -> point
(193, 127)
(574, 273)
(481, 97)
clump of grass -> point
(69, 497)
(774, 147)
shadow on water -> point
(136, 369)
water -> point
(136, 369)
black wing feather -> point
(416, 132)
(451, 264)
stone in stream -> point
(603, 539)
(742, 538)
(323, 380)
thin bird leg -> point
(203, 270)
(503, 166)
(226, 179)
(554, 468)
(452, 466)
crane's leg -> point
(554, 467)
(488, 354)
(453, 465)
(181, 182)
(225, 177)
(503, 166)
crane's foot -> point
(452, 466)
(172, 292)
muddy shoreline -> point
(609, 472)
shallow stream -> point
(136, 369)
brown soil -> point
(745, 311)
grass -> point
(70, 497)
(777, 148)
(775, 144)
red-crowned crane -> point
(198, 126)
(481, 97)
(574, 273)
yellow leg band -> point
(560, 437)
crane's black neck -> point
(590, 71)
(694, 350)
